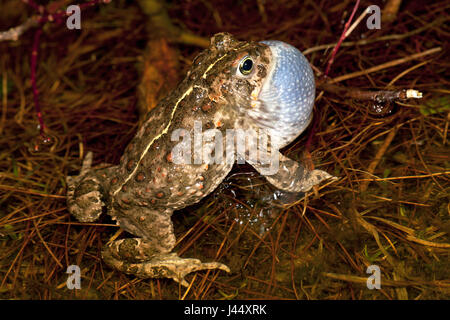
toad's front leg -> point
(85, 192)
(151, 256)
(289, 175)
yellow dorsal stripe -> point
(166, 129)
(212, 65)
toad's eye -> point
(246, 66)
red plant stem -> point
(336, 48)
(34, 54)
(330, 62)
(57, 17)
(34, 5)
(312, 133)
(61, 14)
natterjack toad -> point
(262, 86)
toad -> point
(260, 86)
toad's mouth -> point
(287, 95)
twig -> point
(355, 24)
(389, 37)
(377, 96)
(4, 96)
(390, 10)
(343, 36)
(427, 243)
(384, 65)
(385, 282)
(378, 156)
(382, 99)
(435, 174)
(161, 22)
(34, 54)
(46, 245)
(406, 72)
(13, 34)
(30, 191)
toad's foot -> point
(161, 265)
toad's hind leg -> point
(151, 256)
